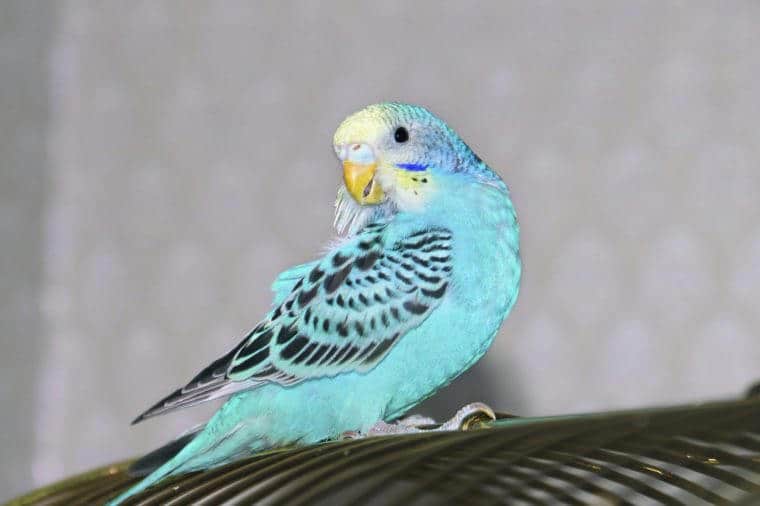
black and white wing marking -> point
(344, 315)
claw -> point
(469, 416)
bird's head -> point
(396, 156)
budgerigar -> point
(411, 294)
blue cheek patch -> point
(414, 167)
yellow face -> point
(384, 150)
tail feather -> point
(160, 456)
(175, 456)
(201, 448)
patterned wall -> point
(189, 161)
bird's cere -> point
(361, 153)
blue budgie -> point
(411, 295)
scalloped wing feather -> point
(344, 313)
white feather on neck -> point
(351, 217)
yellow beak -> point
(359, 166)
(360, 182)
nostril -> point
(357, 152)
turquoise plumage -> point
(408, 298)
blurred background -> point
(161, 162)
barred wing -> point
(343, 315)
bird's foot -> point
(382, 428)
(418, 421)
(466, 418)
(469, 416)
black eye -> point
(401, 134)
